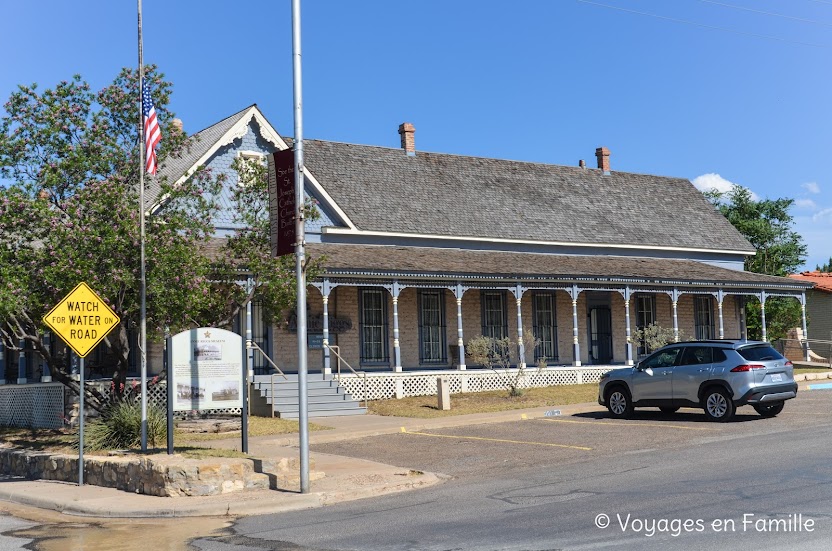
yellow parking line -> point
(501, 440)
(625, 424)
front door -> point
(600, 335)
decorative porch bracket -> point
(574, 291)
(763, 297)
(395, 289)
(518, 291)
(458, 291)
(627, 294)
(326, 289)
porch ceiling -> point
(419, 262)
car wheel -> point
(669, 409)
(718, 405)
(769, 410)
(619, 403)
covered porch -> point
(403, 309)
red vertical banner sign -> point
(282, 202)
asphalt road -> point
(655, 482)
(9, 542)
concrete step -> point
(294, 384)
(320, 399)
(324, 413)
(291, 377)
(288, 392)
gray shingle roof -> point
(174, 167)
(415, 261)
(382, 189)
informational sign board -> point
(282, 202)
(81, 319)
(315, 341)
(206, 369)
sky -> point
(719, 92)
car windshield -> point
(759, 353)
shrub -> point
(120, 427)
(654, 336)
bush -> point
(120, 427)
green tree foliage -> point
(70, 214)
(826, 268)
(767, 224)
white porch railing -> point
(381, 386)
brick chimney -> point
(407, 131)
(603, 156)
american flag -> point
(152, 133)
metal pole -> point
(142, 278)
(303, 412)
(81, 427)
(248, 365)
(169, 354)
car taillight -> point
(747, 367)
(788, 364)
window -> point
(260, 334)
(703, 318)
(432, 346)
(494, 314)
(545, 326)
(696, 355)
(665, 358)
(248, 160)
(372, 306)
(645, 315)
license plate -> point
(776, 378)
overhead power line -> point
(769, 13)
(703, 25)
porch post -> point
(576, 347)
(325, 290)
(763, 313)
(675, 297)
(460, 343)
(720, 296)
(45, 374)
(805, 332)
(2, 363)
(21, 364)
(397, 353)
(627, 294)
(521, 347)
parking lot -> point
(474, 450)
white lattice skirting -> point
(32, 406)
(381, 386)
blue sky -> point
(714, 91)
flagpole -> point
(142, 280)
(303, 411)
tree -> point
(767, 224)
(826, 268)
(70, 214)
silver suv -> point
(717, 376)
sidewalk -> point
(345, 478)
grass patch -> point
(485, 402)
(802, 370)
(59, 441)
(257, 426)
(191, 452)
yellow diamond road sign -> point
(81, 319)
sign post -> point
(82, 320)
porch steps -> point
(325, 397)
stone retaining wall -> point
(159, 475)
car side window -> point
(719, 356)
(664, 358)
(696, 355)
